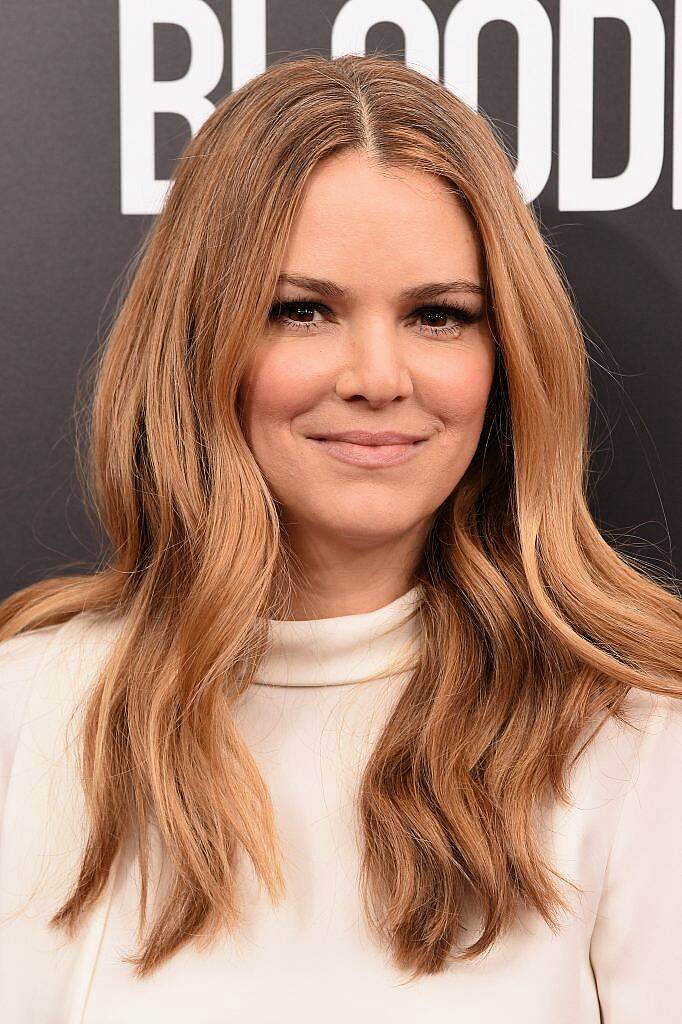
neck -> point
(330, 577)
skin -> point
(369, 361)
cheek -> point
(457, 397)
(458, 393)
(277, 387)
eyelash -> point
(463, 315)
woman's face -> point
(356, 352)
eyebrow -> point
(419, 293)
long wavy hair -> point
(533, 628)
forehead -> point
(367, 224)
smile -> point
(370, 454)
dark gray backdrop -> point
(67, 241)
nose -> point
(375, 366)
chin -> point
(379, 524)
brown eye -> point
(460, 314)
(287, 312)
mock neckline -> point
(343, 649)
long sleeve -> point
(636, 946)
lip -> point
(367, 437)
(369, 455)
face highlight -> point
(357, 341)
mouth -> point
(368, 455)
(368, 438)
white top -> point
(311, 721)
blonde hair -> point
(533, 627)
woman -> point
(371, 727)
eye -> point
(287, 314)
(283, 312)
(460, 314)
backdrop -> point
(98, 100)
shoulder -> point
(653, 730)
(634, 948)
(20, 660)
(53, 661)
(631, 773)
(655, 751)
(618, 767)
(24, 656)
(624, 755)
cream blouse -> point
(311, 720)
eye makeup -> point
(463, 315)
